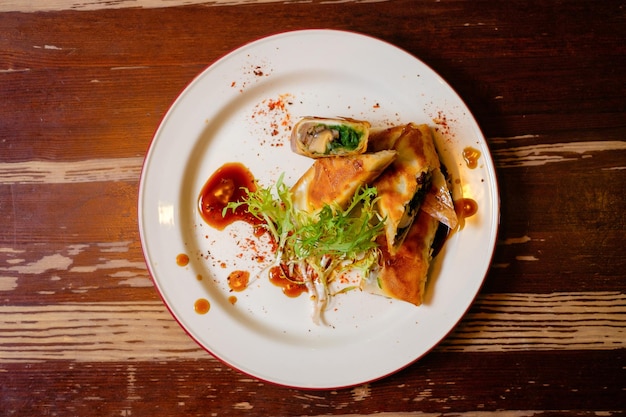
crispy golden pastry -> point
(318, 137)
(335, 180)
(403, 275)
(404, 185)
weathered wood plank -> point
(569, 383)
(522, 321)
(116, 81)
(76, 213)
(44, 273)
(106, 332)
(61, 172)
(129, 169)
(541, 154)
(82, 92)
(58, 5)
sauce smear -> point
(471, 156)
(238, 280)
(290, 288)
(226, 185)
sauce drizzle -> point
(471, 156)
(227, 184)
(238, 280)
(290, 288)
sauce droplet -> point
(238, 280)
(227, 184)
(471, 156)
(182, 259)
(466, 207)
(202, 306)
(290, 288)
(232, 299)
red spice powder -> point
(443, 125)
(274, 118)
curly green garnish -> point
(322, 244)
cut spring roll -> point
(318, 137)
(335, 180)
(403, 275)
(404, 185)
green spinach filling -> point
(348, 138)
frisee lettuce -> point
(319, 245)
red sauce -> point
(290, 287)
(465, 207)
(202, 306)
(182, 259)
(471, 156)
(226, 185)
(238, 280)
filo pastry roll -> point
(404, 185)
(318, 137)
(335, 180)
(403, 275)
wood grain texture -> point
(78, 5)
(555, 383)
(84, 86)
(104, 332)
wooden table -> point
(83, 86)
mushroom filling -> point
(322, 138)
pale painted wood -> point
(55, 172)
(129, 169)
(113, 261)
(537, 155)
(140, 331)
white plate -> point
(229, 114)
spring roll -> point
(318, 137)
(403, 275)
(403, 186)
(335, 180)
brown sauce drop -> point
(290, 287)
(238, 280)
(202, 306)
(471, 156)
(227, 184)
(232, 299)
(465, 207)
(182, 259)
